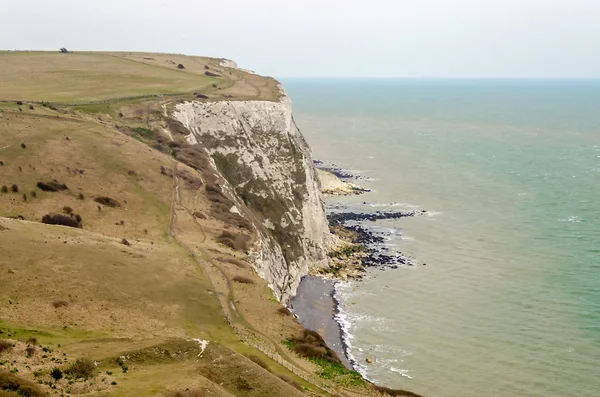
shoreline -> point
(317, 304)
(317, 308)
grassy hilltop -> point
(123, 303)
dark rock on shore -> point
(375, 253)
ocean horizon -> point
(508, 171)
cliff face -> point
(258, 149)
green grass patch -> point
(339, 374)
(346, 251)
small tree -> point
(180, 66)
(64, 50)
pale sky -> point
(341, 38)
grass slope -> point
(91, 77)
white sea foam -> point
(574, 219)
(403, 372)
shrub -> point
(211, 74)
(5, 345)
(56, 374)
(82, 368)
(53, 186)
(312, 345)
(180, 66)
(395, 393)
(21, 387)
(80, 196)
(238, 242)
(59, 303)
(23, 146)
(243, 280)
(24, 197)
(284, 311)
(67, 210)
(60, 219)
(19, 103)
(125, 242)
(4, 189)
(1, 163)
(77, 217)
(258, 360)
(30, 107)
(233, 261)
(202, 96)
(290, 382)
(199, 215)
(32, 340)
(30, 350)
(107, 201)
(64, 50)
(33, 193)
(14, 188)
(186, 393)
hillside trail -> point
(223, 288)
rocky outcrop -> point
(257, 147)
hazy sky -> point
(441, 38)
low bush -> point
(67, 210)
(32, 341)
(5, 345)
(243, 280)
(14, 188)
(23, 146)
(80, 196)
(199, 215)
(186, 393)
(394, 392)
(59, 303)
(258, 360)
(83, 368)
(56, 374)
(233, 261)
(30, 351)
(20, 103)
(4, 189)
(30, 107)
(19, 386)
(311, 345)
(107, 201)
(125, 242)
(238, 242)
(284, 311)
(53, 186)
(33, 193)
(60, 219)
(180, 66)
(290, 382)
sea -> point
(503, 294)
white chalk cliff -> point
(258, 149)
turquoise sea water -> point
(509, 170)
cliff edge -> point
(257, 147)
